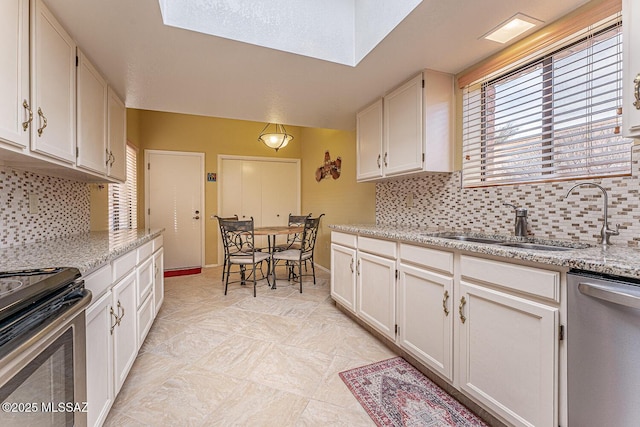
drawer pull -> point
(351, 265)
(44, 121)
(463, 301)
(25, 125)
(445, 299)
(636, 91)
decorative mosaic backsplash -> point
(63, 207)
(438, 201)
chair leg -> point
(300, 274)
(254, 280)
(226, 283)
(273, 270)
(313, 269)
(224, 266)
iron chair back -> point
(223, 239)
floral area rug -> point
(394, 393)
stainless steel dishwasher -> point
(603, 350)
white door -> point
(175, 202)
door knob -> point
(196, 217)
(197, 212)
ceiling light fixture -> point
(277, 139)
(512, 28)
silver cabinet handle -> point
(25, 125)
(122, 315)
(611, 293)
(351, 265)
(112, 158)
(636, 91)
(358, 268)
(108, 157)
(385, 160)
(116, 322)
(463, 301)
(44, 121)
(445, 299)
(378, 161)
(196, 217)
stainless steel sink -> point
(466, 238)
(534, 246)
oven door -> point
(43, 379)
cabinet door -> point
(145, 275)
(509, 354)
(376, 292)
(92, 117)
(343, 277)
(158, 279)
(631, 68)
(99, 360)
(425, 319)
(369, 142)
(125, 336)
(403, 128)
(116, 136)
(14, 73)
(53, 87)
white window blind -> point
(123, 198)
(556, 117)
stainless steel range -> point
(42, 348)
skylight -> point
(342, 31)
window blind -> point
(556, 117)
(123, 198)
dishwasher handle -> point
(611, 293)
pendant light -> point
(275, 137)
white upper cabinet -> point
(403, 128)
(53, 86)
(631, 68)
(369, 141)
(14, 73)
(410, 130)
(117, 137)
(92, 117)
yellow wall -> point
(343, 201)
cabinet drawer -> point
(431, 258)
(344, 239)
(157, 243)
(98, 282)
(123, 265)
(528, 280)
(145, 280)
(145, 319)
(385, 248)
(145, 251)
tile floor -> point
(211, 359)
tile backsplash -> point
(63, 207)
(439, 201)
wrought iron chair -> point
(239, 238)
(224, 243)
(293, 240)
(297, 257)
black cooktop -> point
(21, 288)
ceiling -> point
(157, 67)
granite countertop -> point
(87, 252)
(616, 260)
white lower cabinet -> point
(125, 336)
(508, 342)
(100, 393)
(376, 284)
(505, 318)
(425, 321)
(158, 278)
(117, 321)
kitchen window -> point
(123, 198)
(555, 117)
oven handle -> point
(611, 293)
(64, 318)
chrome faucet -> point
(605, 231)
(521, 220)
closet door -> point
(279, 192)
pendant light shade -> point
(274, 136)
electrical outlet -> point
(33, 203)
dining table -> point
(272, 232)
